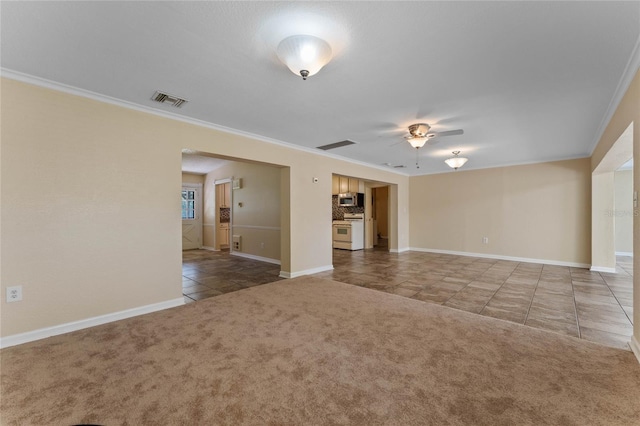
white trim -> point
(266, 228)
(402, 250)
(43, 333)
(254, 257)
(501, 257)
(209, 248)
(602, 269)
(635, 347)
(221, 181)
(285, 274)
(49, 84)
(624, 253)
(507, 164)
(629, 73)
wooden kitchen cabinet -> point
(354, 185)
(224, 195)
(343, 184)
(223, 235)
(335, 185)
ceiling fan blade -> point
(447, 133)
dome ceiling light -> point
(456, 162)
(304, 55)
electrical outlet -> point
(14, 294)
(261, 245)
(485, 240)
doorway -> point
(603, 217)
(223, 213)
(191, 216)
(380, 213)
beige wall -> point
(623, 211)
(192, 178)
(90, 220)
(258, 220)
(90, 212)
(539, 211)
(627, 113)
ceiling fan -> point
(420, 133)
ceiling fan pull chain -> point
(417, 158)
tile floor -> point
(211, 273)
(573, 301)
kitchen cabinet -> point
(223, 235)
(354, 185)
(224, 195)
(335, 185)
(343, 184)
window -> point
(188, 204)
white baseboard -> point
(635, 347)
(501, 257)
(209, 248)
(284, 274)
(43, 333)
(400, 250)
(602, 269)
(254, 257)
(624, 253)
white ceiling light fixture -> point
(417, 142)
(418, 135)
(304, 55)
(456, 162)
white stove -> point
(348, 234)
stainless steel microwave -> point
(351, 199)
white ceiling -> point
(199, 164)
(627, 166)
(527, 81)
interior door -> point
(191, 216)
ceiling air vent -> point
(165, 98)
(336, 145)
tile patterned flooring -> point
(212, 273)
(572, 301)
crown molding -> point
(65, 88)
(623, 85)
(514, 164)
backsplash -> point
(338, 212)
(225, 214)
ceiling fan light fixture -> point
(417, 142)
(304, 55)
(456, 162)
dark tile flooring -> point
(572, 301)
(211, 273)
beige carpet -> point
(314, 351)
